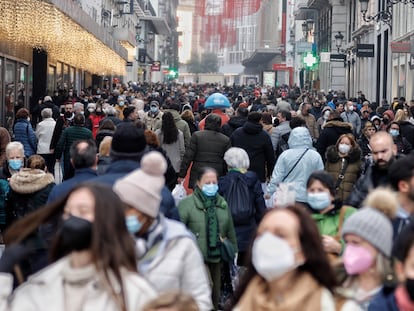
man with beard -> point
(383, 152)
(401, 176)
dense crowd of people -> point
(293, 200)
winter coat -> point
(280, 130)
(353, 119)
(177, 265)
(193, 215)
(363, 143)
(403, 146)
(407, 131)
(233, 124)
(181, 125)
(44, 133)
(23, 132)
(29, 190)
(68, 137)
(153, 122)
(334, 164)
(206, 148)
(311, 125)
(103, 163)
(328, 223)
(299, 141)
(175, 151)
(245, 232)
(92, 123)
(45, 291)
(330, 134)
(62, 189)
(372, 178)
(384, 301)
(258, 146)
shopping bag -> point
(179, 193)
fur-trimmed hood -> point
(332, 154)
(338, 123)
(30, 180)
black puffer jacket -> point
(256, 142)
(233, 124)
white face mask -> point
(272, 256)
(344, 148)
(351, 108)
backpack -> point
(239, 201)
(282, 144)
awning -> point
(159, 23)
(260, 57)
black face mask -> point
(75, 234)
(385, 121)
(409, 286)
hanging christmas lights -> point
(40, 25)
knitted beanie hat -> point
(372, 226)
(142, 188)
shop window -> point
(10, 93)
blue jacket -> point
(245, 232)
(23, 132)
(383, 302)
(299, 141)
(120, 168)
(61, 190)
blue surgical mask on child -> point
(210, 190)
(133, 224)
(15, 164)
(319, 201)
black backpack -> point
(282, 144)
(239, 201)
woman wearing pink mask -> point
(368, 236)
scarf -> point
(403, 300)
(212, 225)
(305, 294)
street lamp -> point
(307, 27)
(385, 15)
(338, 40)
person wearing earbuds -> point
(343, 163)
(288, 268)
(168, 256)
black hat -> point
(128, 141)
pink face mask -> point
(357, 259)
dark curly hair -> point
(168, 128)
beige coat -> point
(44, 291)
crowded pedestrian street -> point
(207, 155)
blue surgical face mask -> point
(154, 109)
(133, 224)
(319, 201)
(15, 164)
(121, 104)
(394, 132)
(210, 190)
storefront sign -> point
(400, 47)
(337, 57)
(269, 78)
(156, 66)
(365, 50)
